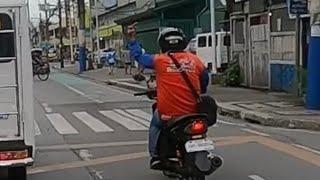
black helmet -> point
(172, 39)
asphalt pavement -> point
(89, 131)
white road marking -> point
(85, 155)
(45, 104)
(75, 90)
(139, 120)
(306, 148)
(47, 108)
(83, 94)
(126, 122)
(255, 177)
(98, 174)
(231, 124)
(92, 122)
(255, 132)
(61, 124)
(94, 100)
(37, 129)
(140, 113)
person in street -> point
(36, 60)
(128, 65)
(111, 59)
(140, 66)
(174, 97)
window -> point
(239, 32)
(202, 41)
(210, 41)
(6, 36)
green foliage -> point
(233, 76)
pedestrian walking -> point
(128, 64)
(111, 59)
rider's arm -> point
(147, 60)
(204, 81)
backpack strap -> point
(185, 77)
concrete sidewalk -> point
(266, 108)
(262, 107)
(120, 78)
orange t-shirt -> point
(174, 96)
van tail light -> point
(196, 128)
(13, 155)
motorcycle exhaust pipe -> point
(216, 161)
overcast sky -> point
(34, 9)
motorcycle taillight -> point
(197, 127)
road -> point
(89, 131)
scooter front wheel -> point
(43, 77)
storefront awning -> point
(108, 31)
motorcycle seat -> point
(173, 124)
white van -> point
(202, 46)
(17, 141)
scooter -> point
(42, 70)
(185, 151)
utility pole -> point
(60, 36)
(213, 36)
(313, 95)
(97, 30)
(46, 31)
(71, 32)
(82, 38)
(69, 25)
(40, 28)
(298, 64)
(91, 58)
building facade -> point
(110, 33)
(193, 16)
(264, 42)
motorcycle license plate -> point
(199, 145)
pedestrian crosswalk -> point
(102, 121)
(124, 121)
(61, 124)
(92, 122)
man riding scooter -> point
(174, 97)
(36, 59)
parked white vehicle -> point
(17, 139)
(202, 46)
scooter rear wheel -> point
(194, 178)
(171, 174)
